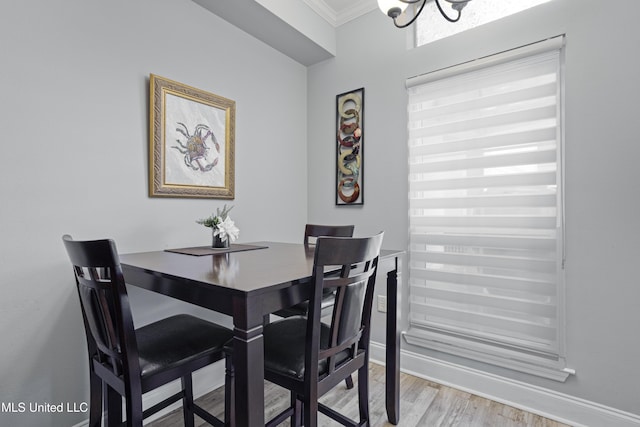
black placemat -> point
(208, 250)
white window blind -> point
(485, 208)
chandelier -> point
(394, 8)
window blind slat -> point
(529, 264)
(487, 118)
(489, 241)
(548, 223)
(533, 200)
(497, 323)
(452, 292)
(483, 142)
(489, 125)
(485, 282)
(503, 93)
(510, 306)
(480, 162)
(507, 180)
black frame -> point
(350, 139)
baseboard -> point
(547, 403)
(205, 380)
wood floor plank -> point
(422, 404)
(477, 412)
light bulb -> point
(387, 5)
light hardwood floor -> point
(422, 403)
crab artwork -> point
(195, 148)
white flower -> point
(227, 230)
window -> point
(485, 206)
(430, 26)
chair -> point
(311, 232)
(315, 230)
(130, 362)
(309, 357)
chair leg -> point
(114, 407)
(296, 404)
(134, 409)
(229, 391)
(187, 401)
(310, 411)
(95, 400)
(349, 382)
(363, 394)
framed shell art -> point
(349, 151)
(192, 137)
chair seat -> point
(177, 340)
(284, 347)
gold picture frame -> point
(192, 142)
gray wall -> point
(74, 123)
(602, 175)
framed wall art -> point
(349, 148)
(192, 136)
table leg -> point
(248, 361)
(393, 348)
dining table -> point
(249, 282)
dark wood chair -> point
(129, 362)
(309, 357)
(311, 233)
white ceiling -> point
(337, 12)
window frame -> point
(469, 19)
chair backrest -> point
(105, 306)
(316, 230)
(357, 259)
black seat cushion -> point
(176, 340)
(284, 342)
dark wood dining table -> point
(249, 285)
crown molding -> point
(352, 9)
(324, 10)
